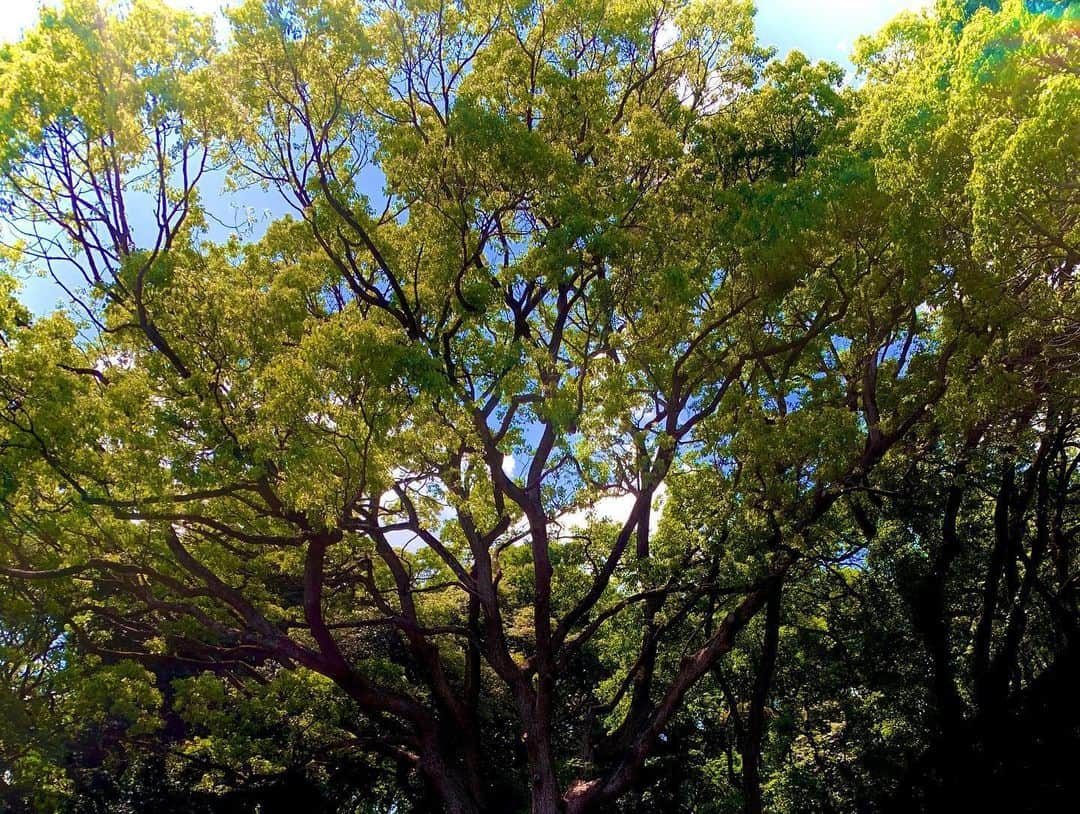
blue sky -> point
(822, 29)
(826, 29)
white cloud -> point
(613, 508)
(17, 17)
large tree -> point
(588, 337)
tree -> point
(501, 465)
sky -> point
(822, 29)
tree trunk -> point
(546, 794)
(930, 616)
(445, 779)
(755, 726)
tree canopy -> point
(613, 416)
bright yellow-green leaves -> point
(82, 68)
(611, 240)
(974, 120)
(1018, 87)
(994, 95)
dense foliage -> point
(615, 417)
